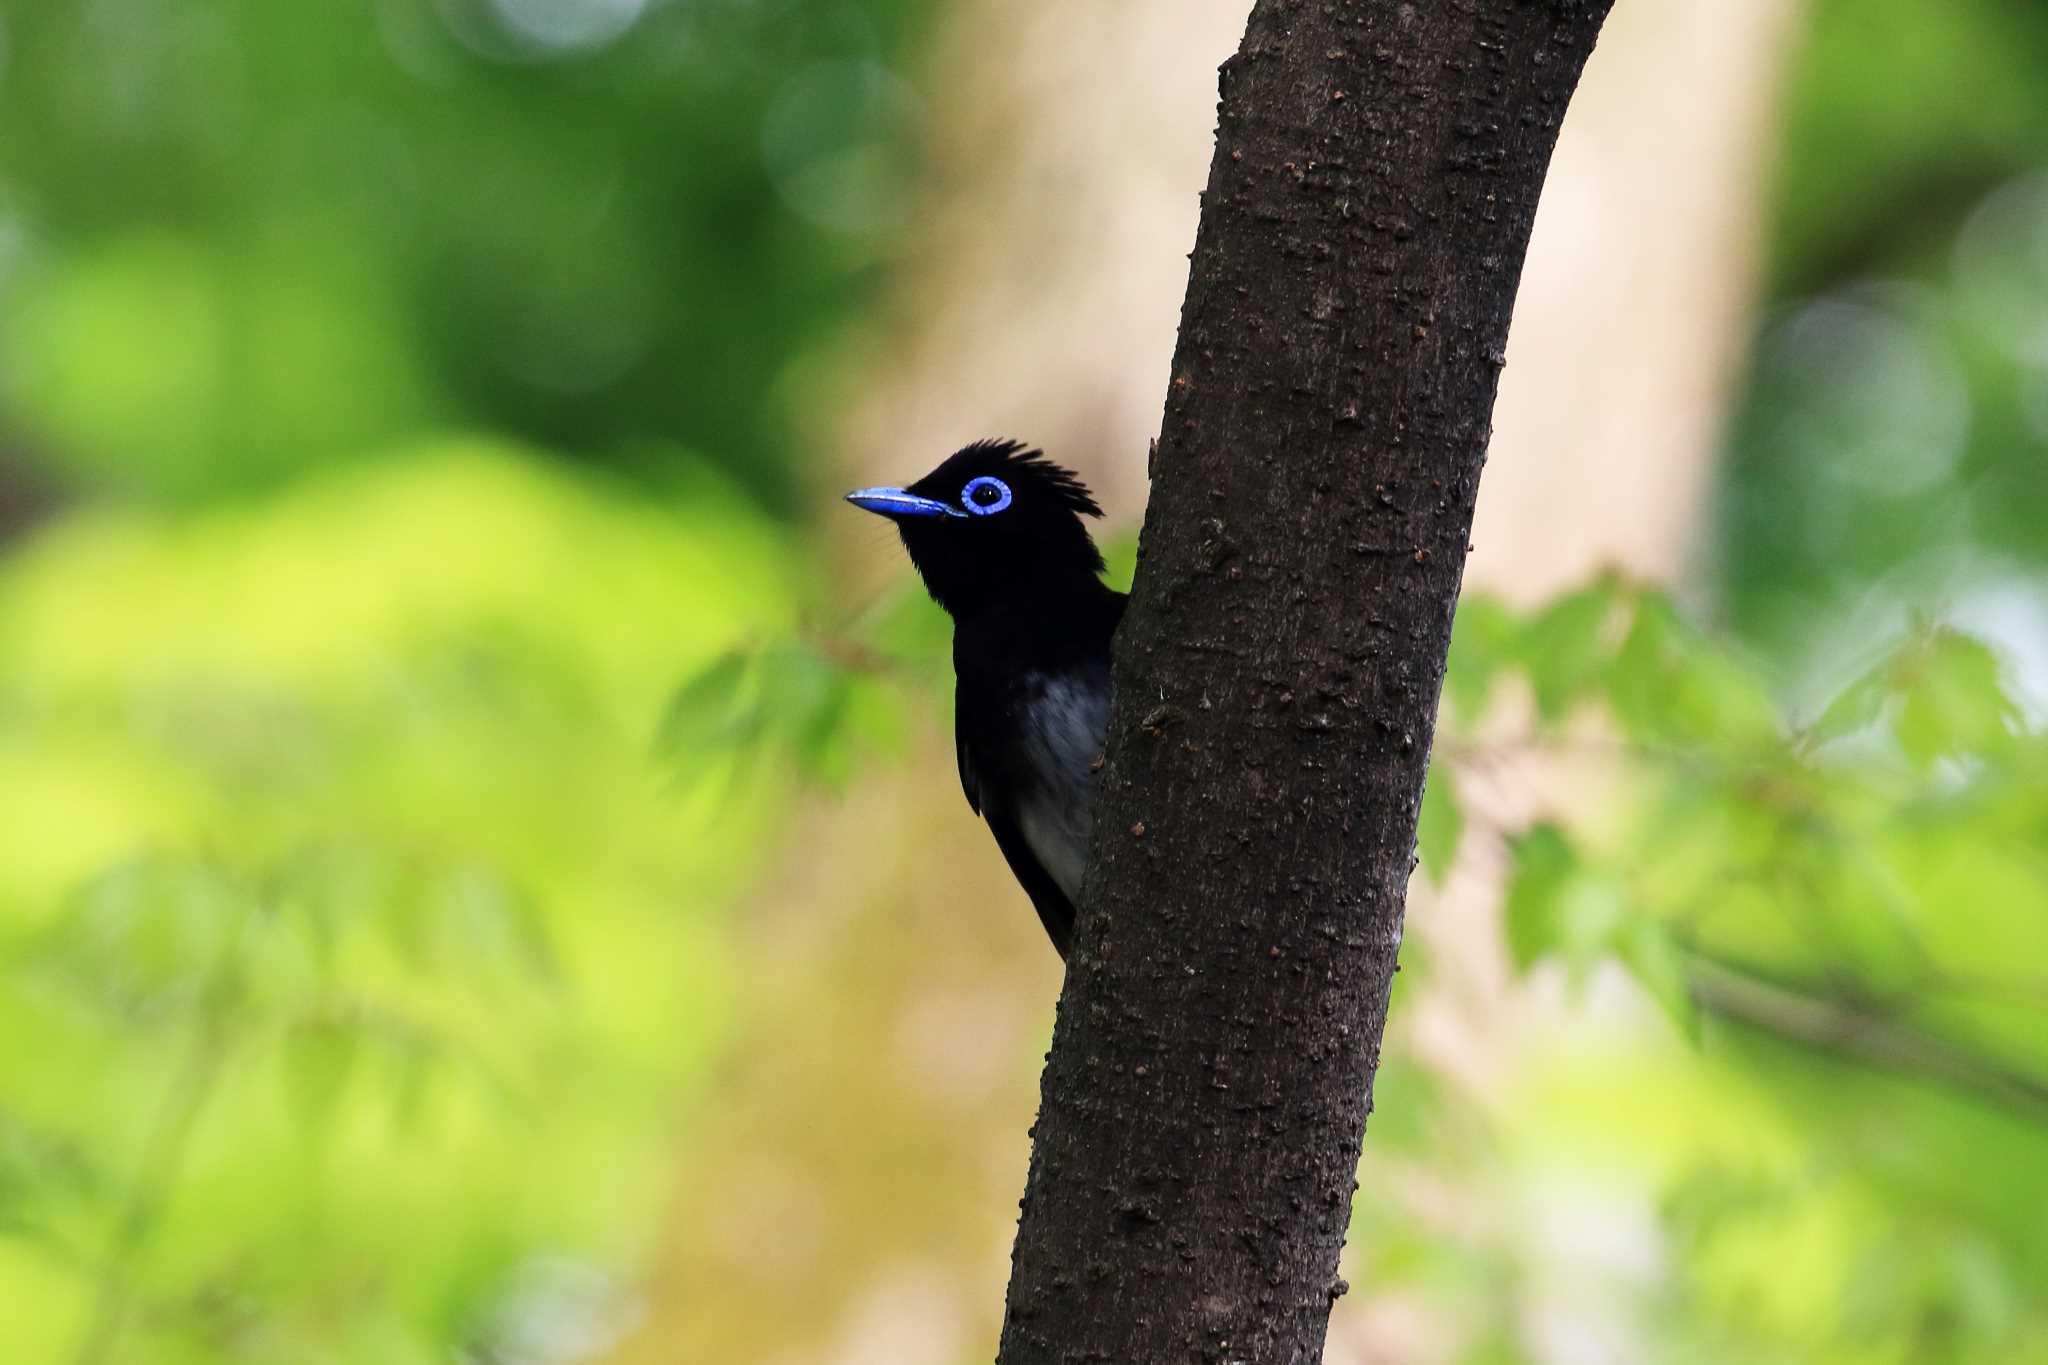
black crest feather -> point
(1027, 464)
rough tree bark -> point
(1375, 178)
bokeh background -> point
(481, 878)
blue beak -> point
(895, 502)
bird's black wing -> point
(970, 778)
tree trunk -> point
(1375, 178)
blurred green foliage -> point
(1844, 1135)
(358, 957)
(1898, 115)
(1891, 452)
(354, 959)
(246, 238)
(362, 944)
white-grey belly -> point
(1065, 723)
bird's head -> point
(995, 520)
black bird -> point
(996, 533)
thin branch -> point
(163, 1154)
(1855, 1033)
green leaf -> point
(1669, 682)
(319, 1057)
(1592, 911)
(44, 1173)
(483, 919)
(1657, 963)
(707, 713)
(1856, 707)
(1955, 701)
(1441, 824)
(824, 752)
(1944, 693)
(1543, 865)
(144, 935)
(1482, 645)
(1638, 684)
(911, 628)
(1563, 650)
(792, 701)
(1706, 1200)
(1407, 1100)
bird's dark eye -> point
(985, 496)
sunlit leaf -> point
(1563, 648)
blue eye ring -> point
(985, 509)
